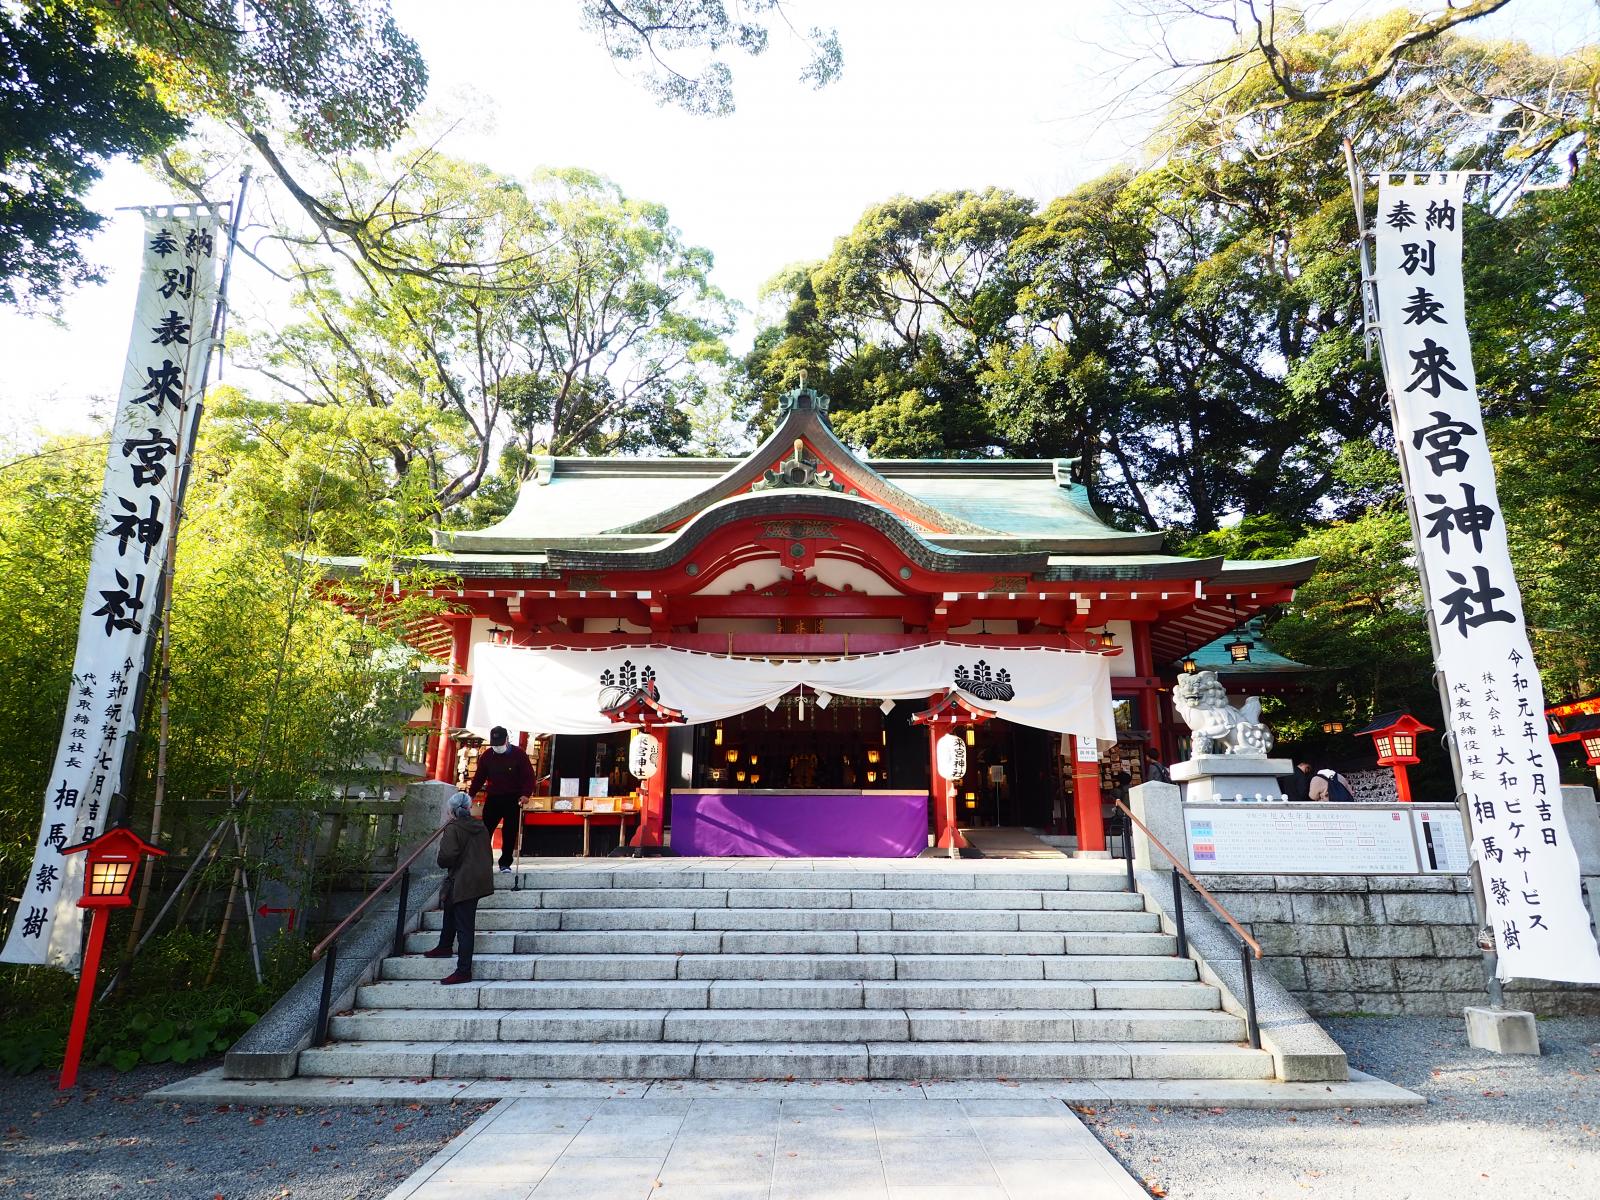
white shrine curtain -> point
(563, 691)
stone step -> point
(1079, 899)
(815, 897)
(973, 994)
(799, 1025)
(961, 920)
(935, 877)
(789, 993)
(492, 965)
(707, 941)
(816, 1060)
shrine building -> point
(805, 561)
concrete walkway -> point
(771, 1149)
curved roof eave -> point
(780, 505)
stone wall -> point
(1377, 944)
(1374, 943)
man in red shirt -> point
(504, 779)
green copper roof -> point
(1263, 660)
(998, 500)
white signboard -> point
(1496, 699)
(1441, 842)
(1342, 839)
(160, 384)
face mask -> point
(501, 749)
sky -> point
(935, 95)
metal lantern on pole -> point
(110, 863)
(1239, 649)
(1394, 737)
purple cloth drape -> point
(870, 825)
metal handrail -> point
(1193, 882)
(330, 943)
(402, 869)
(1247, 944)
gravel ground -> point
(106, 1140)
(1507, 1128)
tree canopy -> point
(589, 331)
(68, 100)
(298, 84)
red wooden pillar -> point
(653, 796)
(1086, 801)
(1149, 699)
(452, 711)
(441, 745)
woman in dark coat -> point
(465, 852)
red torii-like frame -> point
(645, 712)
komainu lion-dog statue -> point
(1218, 727)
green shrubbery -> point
(161, 1013)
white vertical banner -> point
(1496, 699)
(155, 413)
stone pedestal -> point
(1230, 777)
(1502, 1030)
(1160, 807)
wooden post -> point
(1402, 783)
(1086, 801)
(442, 770)
(1149, 698)
(452, 711)
(80, 1010)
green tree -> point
(301, 83)
(266, 695)
(897, 321)
(68, 101)
(592, 333)
(677, 44)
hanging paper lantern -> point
(644, 755)
(951, 755)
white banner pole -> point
(169, 345)
(1526, 880)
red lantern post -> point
(1394, 736)
(110, 863)
(949, 712)
(1583, 729)
(645, 712)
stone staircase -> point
(811, 969)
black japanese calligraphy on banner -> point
(160, 384)
(1496, 708)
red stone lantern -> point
(1583, 729)
(1394, 736)
(110, 863)
(1591, 748)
